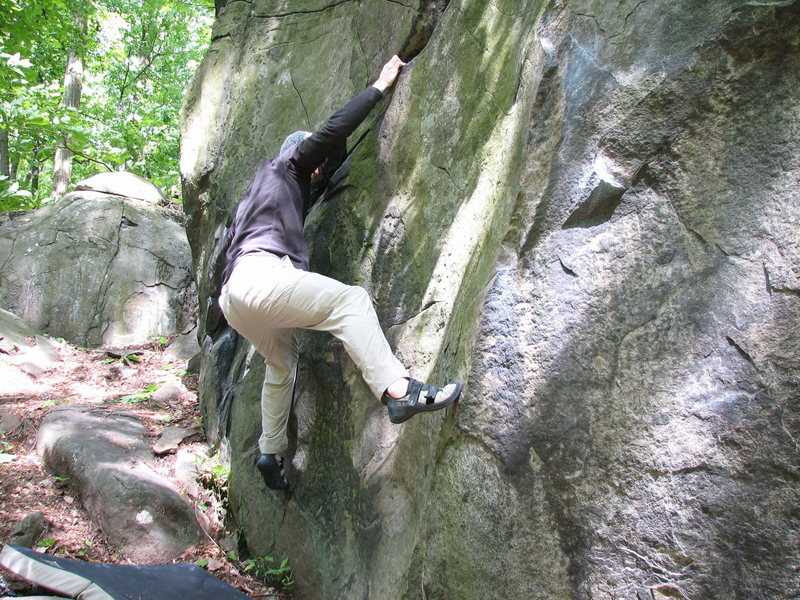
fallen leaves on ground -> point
(122, 378)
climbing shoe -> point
(271, 470)
(420, 397)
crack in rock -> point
(422, 28)
(303, 12)
(416, 314)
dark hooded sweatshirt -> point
(270, 217)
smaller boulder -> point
(99, 269)
(187, 472)
(28, 530)
(185, 346)
(170, 392)
(122, 183)
(171, 438)
(22, 347)
(9, 421)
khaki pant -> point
(266, 297)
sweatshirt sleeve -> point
(310, 153)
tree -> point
(73, 84)
(137, 57)
(148, 66)
(32, 54)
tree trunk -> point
(34, 184)
(73, 84)
(32, 177)
(62, 170)
(4, 171)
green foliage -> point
(144, 395)
(149, 52)
(54, 402)
(262, 568)
(35, 40)
(82, 551)
(29, 103)
(213, 475)
(138, 59)
(125, 359)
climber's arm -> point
(310, 153)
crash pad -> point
(95, 581)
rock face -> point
(98, 269)
(589, 211)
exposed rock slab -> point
(22, 348)
(172, 437)
(104, 455)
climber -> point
(267, 290)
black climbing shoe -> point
(420, 397)
(272, 471)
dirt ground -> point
(95, 377)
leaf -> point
(134, 398)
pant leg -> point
(313, 301)
(353, 321)
(297, 298)
(243, 301)
(277, 391)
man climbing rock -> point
(267, 290)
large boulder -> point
(587, 210)
(97, 269)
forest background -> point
(88, 86)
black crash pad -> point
(96, 581)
